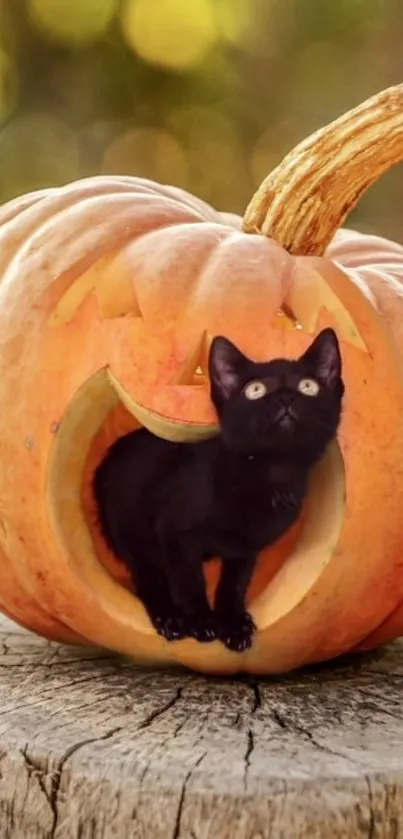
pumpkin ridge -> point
(32, 219)
(114, 231)
(187, 255)
(145, 238)
(199, 288)
(15, 208)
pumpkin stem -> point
(305, 200)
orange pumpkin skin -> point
(110, 290)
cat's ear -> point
(325, 358)
(225, 365)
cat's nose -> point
(285, 407)
(286, 399)
(286, 411)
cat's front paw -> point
(201, 627)
(236, 630)
(170, 626)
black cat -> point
(166, 507)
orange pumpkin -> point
(111, 291)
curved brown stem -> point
(304, 201)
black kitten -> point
(166, 507)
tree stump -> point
(94, 747)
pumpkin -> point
(111, 290)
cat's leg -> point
(235, 625)
(163, 613)
(152, 588)
(184, 569)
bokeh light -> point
(255, 26)
(146, 151)
(8, 85)
(235, 19)
(36, 150)
(264, 156)
(217, 157)
(73, 21)
(171, 33)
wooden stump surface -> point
(93, 747)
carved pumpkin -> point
(111, 291)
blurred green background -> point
(205, 94)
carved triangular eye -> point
(315, 305)
(112, 287)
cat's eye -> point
(255, 390)
(309, 387)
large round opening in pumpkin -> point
(285, 572)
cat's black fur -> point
(166, 507)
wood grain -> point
(92, 747)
